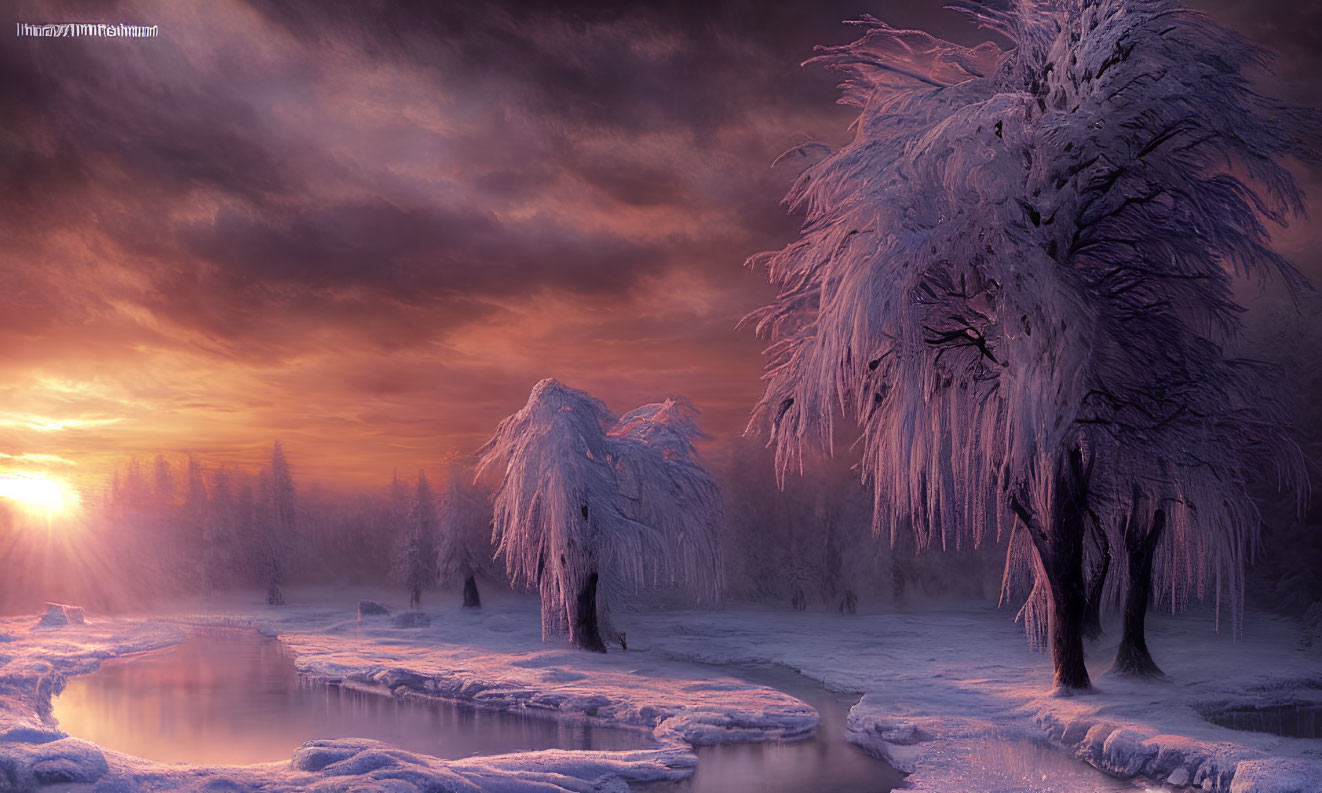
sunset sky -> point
(366, 230)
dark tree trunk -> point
(1064, 566)
(897, 579)
(799, 600)
(1133, 657)
(274, 595)
(587, 633)
(415, 596)
(471, 598)
(1092, 617)
(900, 554)
(1061, 552)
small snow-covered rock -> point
(23, 733)
(371, 608)
(61, 762)
(1277, 775)
(411, 619)
(501, 623)
(367, 761)
(224, 784)
(58, 615)
(1124, 753)
(316, 755)
(395, 677)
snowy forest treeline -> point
(170, 526)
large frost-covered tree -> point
(1017, 279)
(589, 506)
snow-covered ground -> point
(942, 688)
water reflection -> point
(234, 697)
(1292, 720)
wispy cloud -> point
(36, 459)
(47, 424)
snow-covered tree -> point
(224, 530)
(194, 521)
(464, 512)
(398, 507)
(132, 492)
(416, 561)
(806, 543)
(1287, 571)
(280, 523)
(1017, 279)
(588, 507)
(162, 481)
(666, 488)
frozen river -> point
(233, 697)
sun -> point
(37, 494)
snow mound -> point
(62, 761)
(894, 740)
(371, 608)
(411, 619)
(58, 615)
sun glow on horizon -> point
(38, 495)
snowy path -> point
(942, 689)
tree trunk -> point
(471, 599)
(1092, 617)
(274, 596)
(1060, 551)
(415, 596)
(587, 633)
(1133, 657)
(1064, 566)
(900, 555)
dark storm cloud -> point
(411, 253)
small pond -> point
(233, 697)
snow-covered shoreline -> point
(937, 686)
(335, 647)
